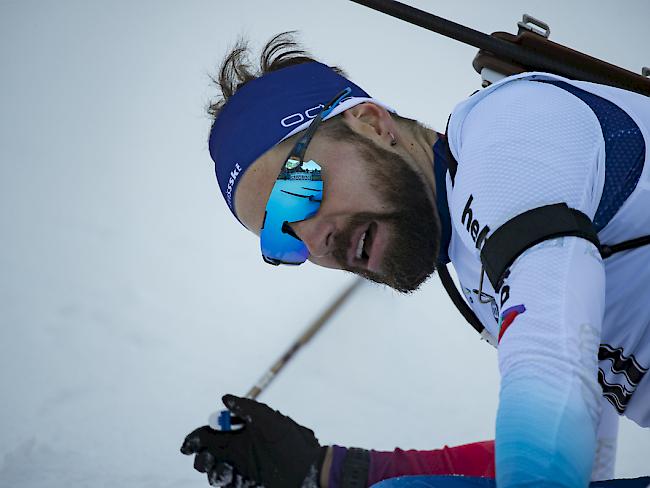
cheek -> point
(350, 192)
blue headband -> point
(266, 111)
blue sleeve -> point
(549, 400)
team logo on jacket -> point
(472, 225)
(508, 316)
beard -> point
(414, 225)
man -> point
(320, 170)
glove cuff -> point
(349, 468)
(355, 468)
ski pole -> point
(223, 420)
(605, 73)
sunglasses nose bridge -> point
(287, 229)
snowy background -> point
(130, 300)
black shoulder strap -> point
(522, 232)
(510, 240)
(606, 251)
(458, 300)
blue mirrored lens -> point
(296, 196)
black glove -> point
(270, 450)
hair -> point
(281, 51)
(236, 70)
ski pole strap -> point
(355, 468)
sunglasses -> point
(297, 195)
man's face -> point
(377, 218)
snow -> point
(130, 300)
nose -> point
(317, 234)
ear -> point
(372, 121)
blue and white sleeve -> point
(549, 403)
(525, 145)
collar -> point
(440, 168)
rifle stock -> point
(525, 52)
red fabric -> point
(508, 316)
(506, 323)
(475, 459)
